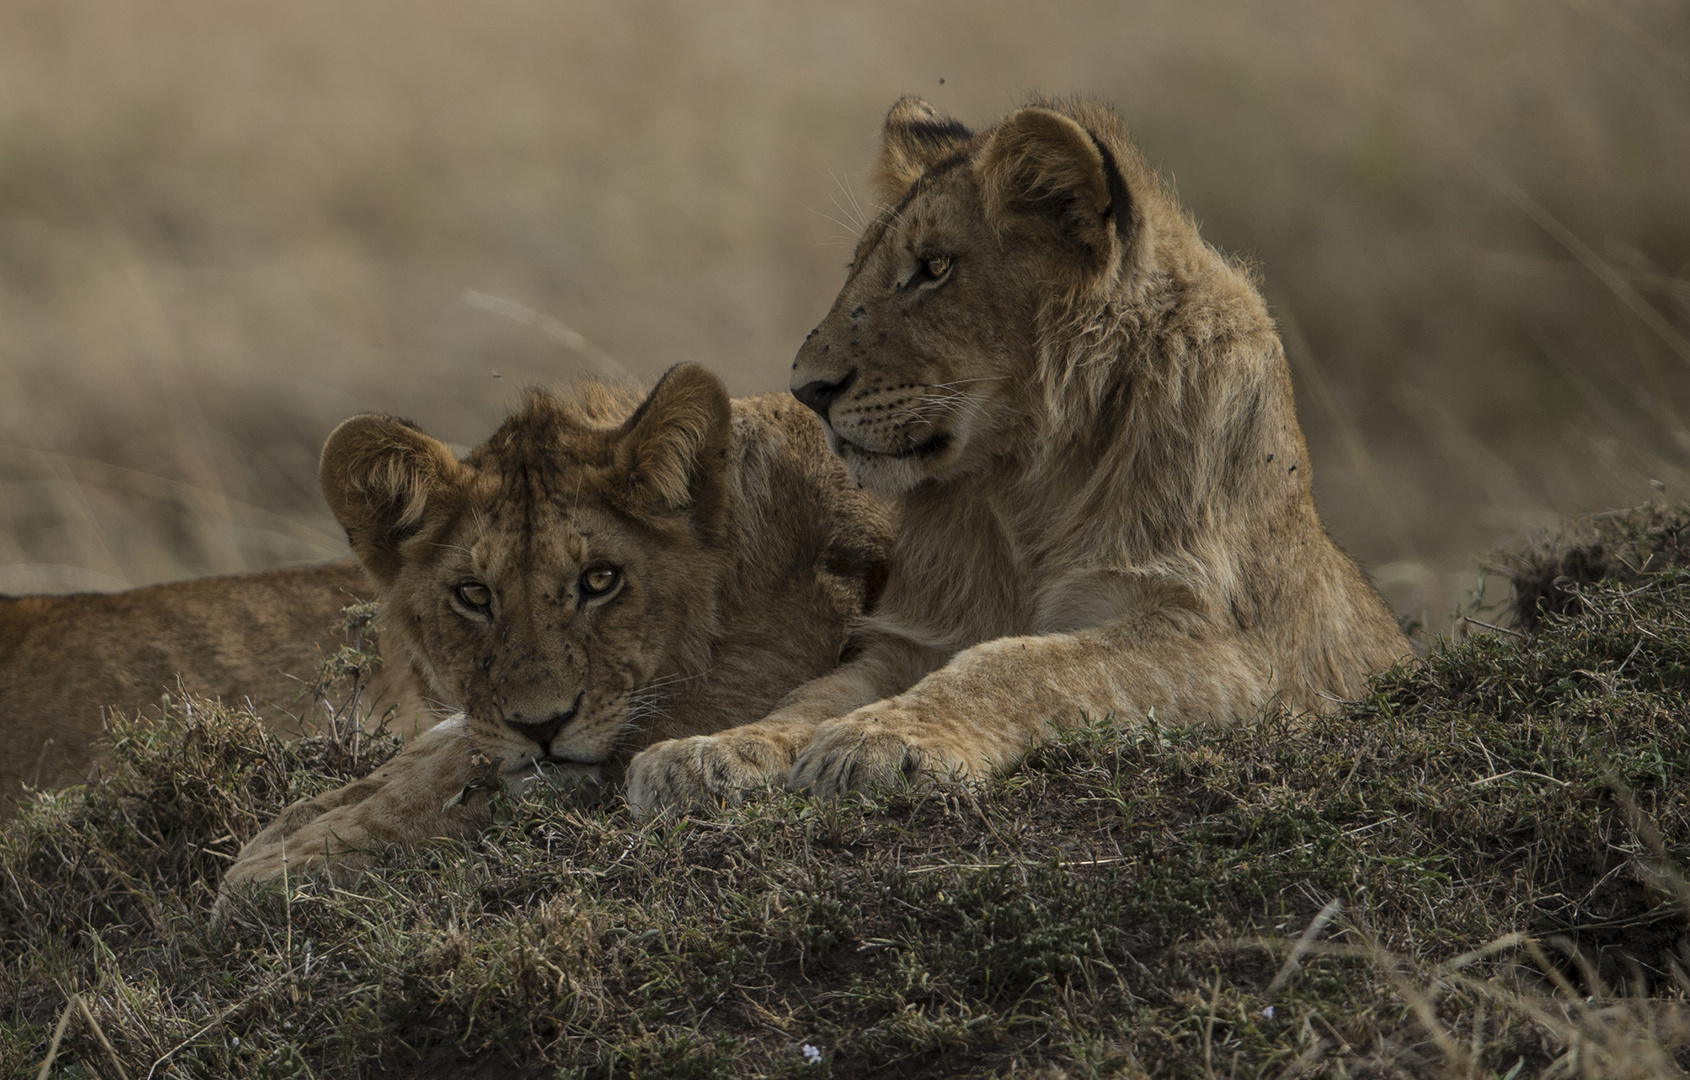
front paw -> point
(336, 840)
(300, 827)
(879, 747)
(701, 771)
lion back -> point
(65, 660)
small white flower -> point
(811, 1054)
(237, 1040)
(1267, 1013)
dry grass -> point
(1476, 872)
(225, 228)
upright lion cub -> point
(1084, 414)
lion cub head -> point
(939, 353)
(548, 579)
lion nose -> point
(820, 394)
(544, 731)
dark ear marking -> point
(1120, 200)
(1042, 164)
(914, 138)
(941, 134)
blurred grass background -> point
(225, 227)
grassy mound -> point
(1620, 547)
(1474, 872)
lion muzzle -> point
(819, 395)
(544, 731)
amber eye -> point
(598, 579)
(474, 595)
(929, 272)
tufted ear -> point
(1041, 164)
(672, 455)
(379, 474)
(914, 138)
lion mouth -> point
(921, 451)
(557, 773)
(537, 765)
(563, 759)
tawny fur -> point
(66, 660)
(1084, 415)
(743, 552)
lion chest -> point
(1077, 598)
(963, 577)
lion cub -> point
(256, 637)
(602, 573)
(1084, 414)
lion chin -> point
(891, 471)
(1084, 414)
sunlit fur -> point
(742, 551)
(1088, 425)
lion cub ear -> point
(914, 138)
(1039, 163)
(379, 474)
(672, 454)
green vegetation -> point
(1475, 872)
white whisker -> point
(855, 210)
(850, 235)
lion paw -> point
(877, 748)
(439, 785)
(307, 841)
(701, 771)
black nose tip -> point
(820, 394)
(544, 731)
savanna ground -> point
(1476, 871)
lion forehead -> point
(507, 542)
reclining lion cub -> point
(1084, 414)
(257, 637)
(595, 577)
